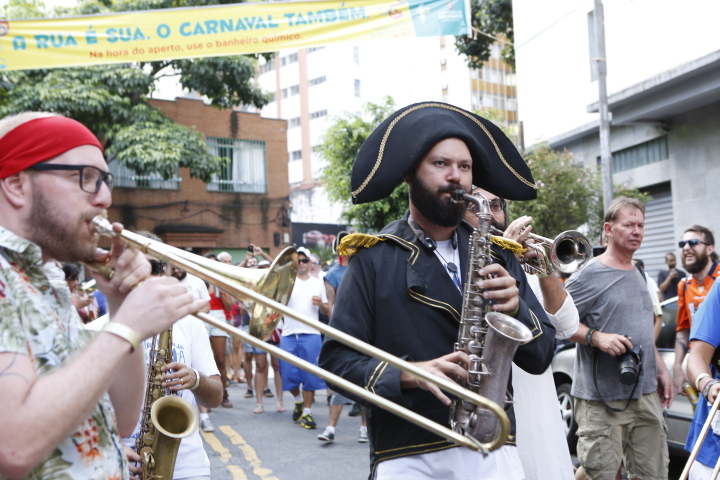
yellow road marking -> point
(237, 472)
(249, 453)
(216, 445)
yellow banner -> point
(220, 30)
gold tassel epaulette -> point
(507, 244)
(350, 244)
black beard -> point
(181, 275)
(700, 263)
(441, 212)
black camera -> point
(630, 363)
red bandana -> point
(41, 139)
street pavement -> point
(270, 446)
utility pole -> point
(601, 62)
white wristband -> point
(697, 380)
(197, 381)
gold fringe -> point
(350, 244)
(507, 244)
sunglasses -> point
(91, 178)
(693, 242)
(304, 260)
(157, 267)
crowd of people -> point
(400, 290)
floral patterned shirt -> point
(37, 319)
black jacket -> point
(398, 297)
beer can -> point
(691, 393)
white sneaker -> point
(327, 436)
(363, 438)
(206, 425)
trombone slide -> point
(187, 262)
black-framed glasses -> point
(157, 267)
(693, 242)
(91, 178)
(496, 205)
(304, 260)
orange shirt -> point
(691, 295)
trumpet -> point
(569, 252)
(273, 293)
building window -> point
(639, 155)
(269, 66)
(314, 49)
(357, 87)
(296, 155)
(245, 165)
(294, 122)
(288, 59)
(272, 97)
(318, 80)
(318, 114)
(290, 91)
(356, 55)
(125, 177)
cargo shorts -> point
(637, 436)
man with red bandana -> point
(67, 395)
(698, 246)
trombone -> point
(275, 287)
(699, 442)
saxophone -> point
(489, 338)
(166, 418)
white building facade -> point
(312, 86)
(663, 64)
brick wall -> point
(194, 217)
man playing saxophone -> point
(193, 375)
(402, 291)
(67, 396)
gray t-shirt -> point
(612, 301)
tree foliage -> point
(339, 146)
(493, 17)
(569, 194)
(112, 100)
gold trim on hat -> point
(381, 151)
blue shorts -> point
(249, 348)
(307, 347)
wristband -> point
(588, 336)
(197, 381)
(706, 390)
(124, 332)
(700, 377)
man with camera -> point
(621, 383)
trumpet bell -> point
(570, 252)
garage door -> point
(659, 231)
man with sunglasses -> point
(698, 246)
(67, 395)
(308, 298)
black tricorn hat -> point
(394, 149)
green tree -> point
(489, 17)
(112, 100)
(569, 194)
(339, 146)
